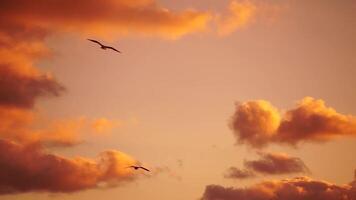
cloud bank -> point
(302, 188)
(105, 18)
(30, 168)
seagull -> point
(104, 46)
(138, 167)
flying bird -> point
(138, 167)
(104, 46)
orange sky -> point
(205, 92)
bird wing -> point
(145, 169)
(96, 42)
(113, 49)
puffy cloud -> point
(258, 123)
(29, 168)
(302, 188)
(255, 122)
(268, 164)
(312, 120)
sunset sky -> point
(220, 99)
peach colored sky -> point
(167, 101)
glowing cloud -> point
(240, 15)
(258, 123)
(291, 189)
(104, 125)
(107, 18)
(35, 170)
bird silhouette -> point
(104, 46)
(138, 167)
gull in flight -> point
(138, 167)
(104, 46)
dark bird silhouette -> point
(104, 46)
(138, 167)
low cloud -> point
(34, 170)
(292, 189)
(276, 163)
(258, 123)
(268, 164)
(236, 173)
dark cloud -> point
(276, 163)
(29, 168)
(302, 188)
(258, 123)
(21, 90)
(268, 164)
(235, 173)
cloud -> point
(292, 189)
(241, 13)
(258, 123)
(107, 18)
(21, 89)
(276, 163)
(104, 125)
(33, 169)
(26, 126)
(255, 122)
(268, 164)
(235, 173)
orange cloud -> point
(107, 18)
(291, 189)
(312, 120)
(241, 13)
(103, 125)
(255, 122)
(258, 123)
(25, 126)
(35, 170)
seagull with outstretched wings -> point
(138, 167)
(104, 46)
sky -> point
(228, 99)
